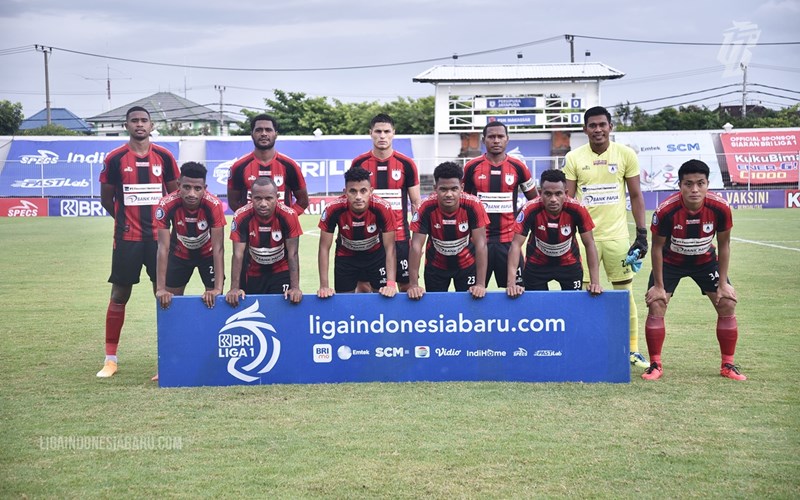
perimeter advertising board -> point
(539, 337)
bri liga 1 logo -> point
(243, 342)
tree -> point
(51, 129)
(702, 118)
(10, 117)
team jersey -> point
(600, 186)
(552, 241)
(191, 229)
(449, 234)
(265, 238)
(690, 234)
(139, 184)
(358, 233)
(284, 171)
(497, 186)
(390, 179)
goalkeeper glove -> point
(640, 243)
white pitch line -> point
(312, 232)
(765, 244)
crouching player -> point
(552, 253)
(196, 240)
(683, 229)
(365, 246)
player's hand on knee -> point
(514, 291)
(655, 294)
(325, 292)
(725, 291)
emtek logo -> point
(683, 147)
(390, 352)
(323, 353)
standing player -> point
(134, 179)
(197, 238)
(268, 231)
(365, 245)
(553, 253)
(496, 178)
(395, 179)
(598, 174)
(265, 161)
(449, 219)
(683, 229)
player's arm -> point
(235, 293)
(235, 198)
(724, 289)
(637, 207)
(218, 255)
(107, 192)
(416, 198)
(323, 263)
(592, 262)
(512, 289)
(571, 188)
(172, 185)
(478, 290)
(162, 257)
(293, 294)
(390, 290)
(414, 257)
(300, 200)
(656, 293)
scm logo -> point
(390, 352)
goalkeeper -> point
(598, 174)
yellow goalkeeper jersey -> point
(600, 186)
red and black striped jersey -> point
(552, 240)
(690, 234)
(497, 186)
(284, 171)
(139, 184)
(390, 179)
(448, 245)
(265, 238)
(358, 233)
(191, 229)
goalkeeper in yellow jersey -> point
(598, 174)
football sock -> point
(654, 333)
(634, 316)
(115, 317)
(727, 334)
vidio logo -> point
(243, 338)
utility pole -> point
(744, 90)
(571, 42)
(46, 51)
(221, 89)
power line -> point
(686, 94)
(776, 88)
(665, 42)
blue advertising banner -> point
(76, 207)
(539, 337)
(323, 161)
(58, 168)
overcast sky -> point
(298, 34)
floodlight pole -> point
(46, 51)
(744, 90)
(221, 89)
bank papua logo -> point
(250, 351)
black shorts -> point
(179, 271)
(497, 263)
(277, 283)
(438, 280)
(401, 252)
(128, 258)
(706, 277)
(348, 271)
(537, 277)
